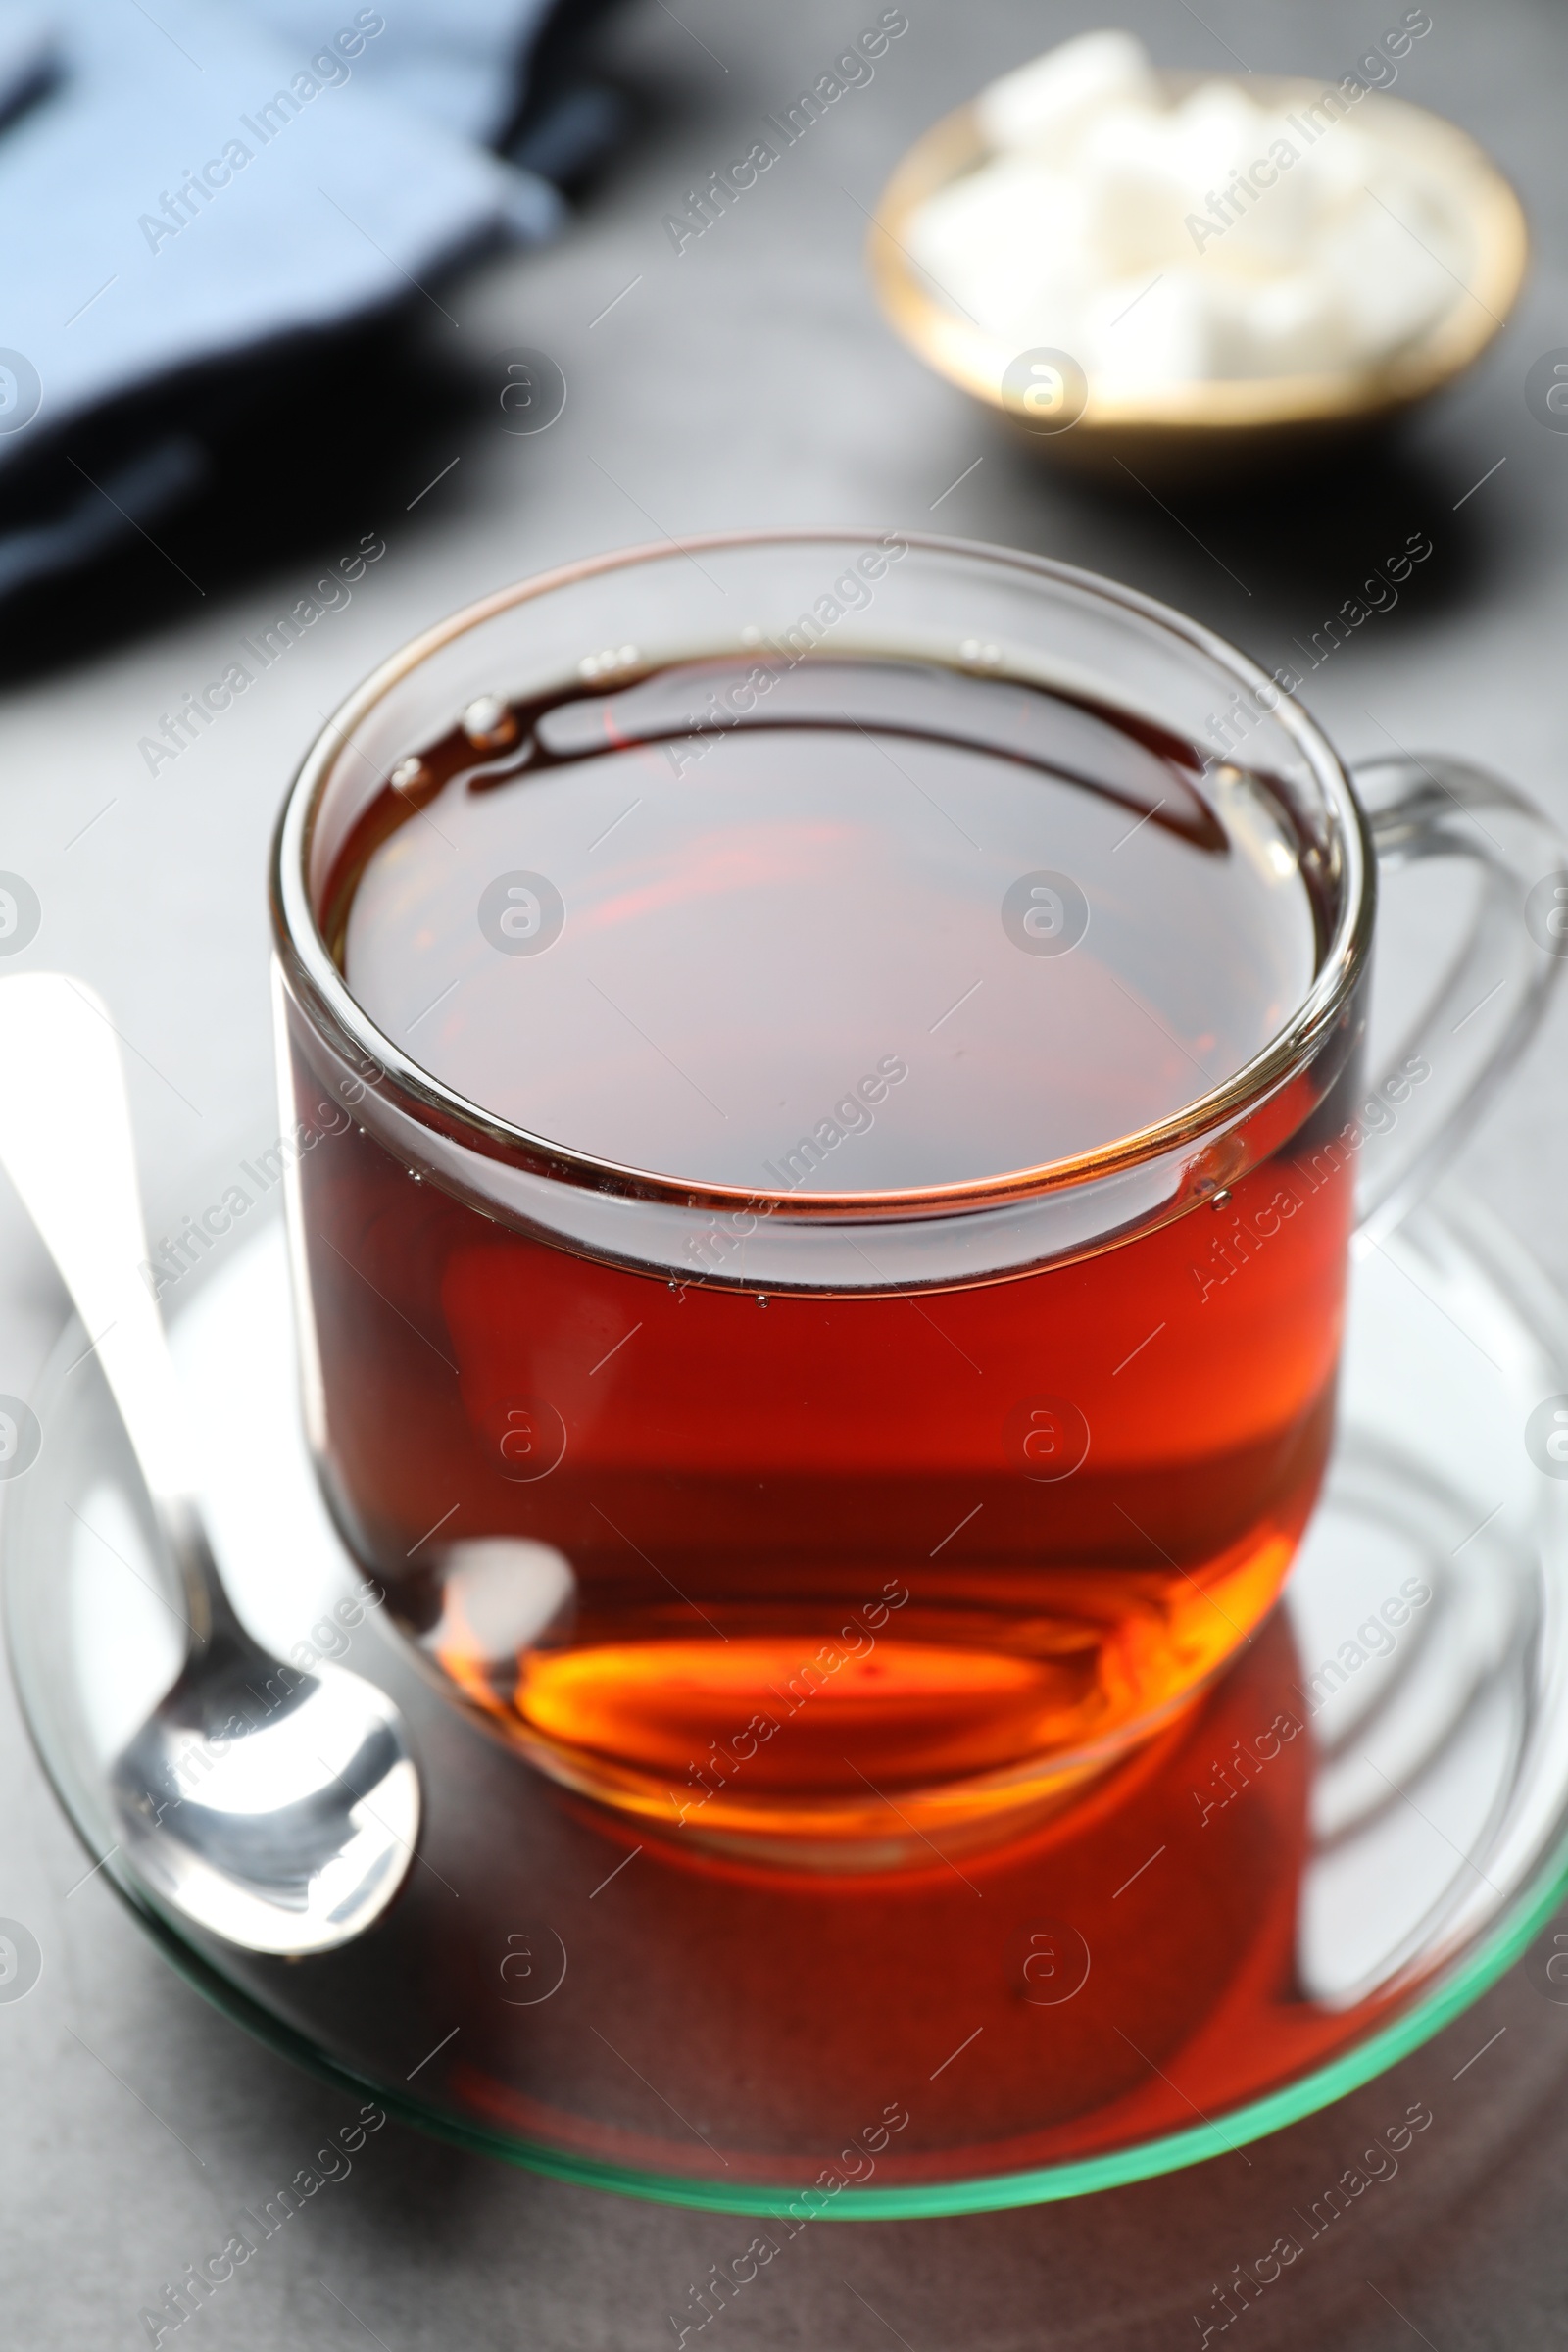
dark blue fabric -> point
(185, 187)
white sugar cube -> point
(1220, 123)
(1167, 241)
(1285, 326)
(1009, 243)
(1391, 284)
(1137, 333)
(1134, 172)
(1049, 100)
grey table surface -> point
(748, 381)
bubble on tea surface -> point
(21, 1960)
(609, 659)
(1046, 1437)
(1047, 1963)
(1547, 913)
(21, 913)
(489, 723)
(1547, 1435)
(1045, 913)
(521, 914)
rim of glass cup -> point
(1289, 1051)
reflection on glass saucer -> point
(1331, 1854)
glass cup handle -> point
(1495, 989)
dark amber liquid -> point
(843, 1571)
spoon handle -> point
(67, 1143)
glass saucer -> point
(1333, 1854)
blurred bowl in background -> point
(1177, 431)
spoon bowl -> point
(273, 1807)
(282, 1823)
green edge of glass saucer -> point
(992, 2193)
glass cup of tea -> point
(830, 1108)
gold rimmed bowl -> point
(1188, 430)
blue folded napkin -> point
(188, 188)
